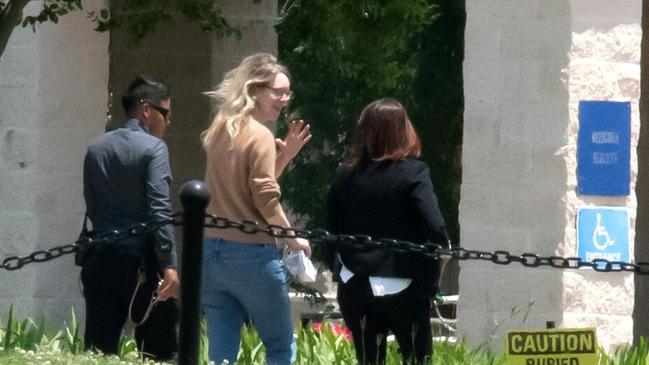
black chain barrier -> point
(431, 251)
(17, 262)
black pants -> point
(371, 318)
(108, 284)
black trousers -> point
(370, 319)
(109, 281)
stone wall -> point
(527, 65)
(53, 99)
(604, 65)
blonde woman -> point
(244, 276)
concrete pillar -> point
(640, 315)
(53, 99)
(527, 66)
(191, 62)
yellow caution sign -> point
(563, 346)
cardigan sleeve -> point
(261, 178)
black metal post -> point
(194, 198)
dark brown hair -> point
(384, 132)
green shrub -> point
(25, 342)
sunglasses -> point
(163, 111)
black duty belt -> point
(118, 250)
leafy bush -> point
(28, 342)
(25, 342)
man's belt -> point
(108, 249)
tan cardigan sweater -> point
(240, 177)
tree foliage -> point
(51, 11)
(439, 106)
(344, 54)
(11, 15)
(137, 17)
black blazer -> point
(391, 199)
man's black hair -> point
(143, 89)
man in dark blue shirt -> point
(126, 182)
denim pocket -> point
(274, 274)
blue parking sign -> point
(603, 233)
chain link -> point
(428, 251)
(352, 242)
(17, 262)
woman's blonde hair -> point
(235, 95)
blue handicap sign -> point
(604, 148)
(603, 233)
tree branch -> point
(10, 17)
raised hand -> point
(299, 133)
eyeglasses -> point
(280, 93)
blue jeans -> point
(246, 281)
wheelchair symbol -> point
(601, 235)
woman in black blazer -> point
(385, 192)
